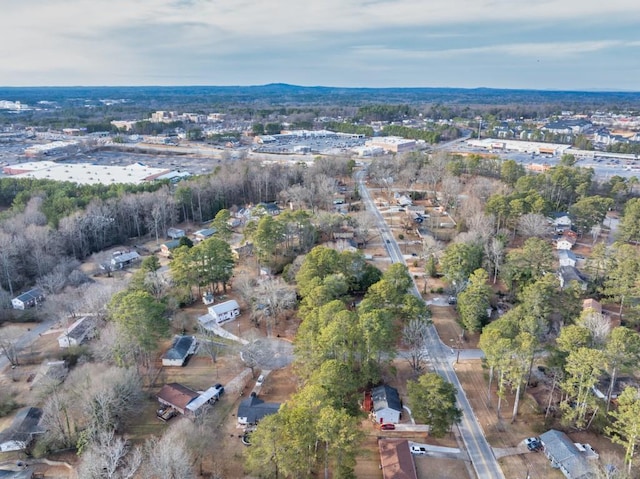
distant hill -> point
(285, 94)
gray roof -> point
(35, 293)
(180, 348)
(79, 329)
(125, 257)
(206, 232)
(172, 244)
(24, 426)
(562, 451)
(565, 253)
(255, 409)
(571, 273)
(386, 397)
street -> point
(480, 453)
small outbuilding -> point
(182, 348)
(224, 311)
(23, 429)
(175, 233)
(387, 406)
(29, 299)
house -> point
(181, 349)
(23, 429)
(253, 409)
(387, 406)
(566, 456)
(123, 260)
(403, 200)
(567, 258)
(209, 396)
(396, 460)
(592, 304)
(224, 311)
(167, 247)
(31, 298)
(204, 234)
(175, 233)
(567, 274)
(271, 208)
(561, 221)
(176, 396)
(566, 241)
(77, 333)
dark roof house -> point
(252, 409)
(24, 427)
(387, 405)
(567, 274)
(181, 349)
(28, 299)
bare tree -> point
(414, 337)
(494, 251)
(450, 187)
(365, 226)
(168, 457)
(272, 297)
(533, 224)
(9, 337)
(598, 324)
(109, 457)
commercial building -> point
(392, 144)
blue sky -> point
(539, 44)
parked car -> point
(387, 427)
(533, 443)
(260, 380)
(220, 389)
(452, 300)
(419, 450)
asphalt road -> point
(480, 453)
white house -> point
(181, 349)
(28, 300)
(387, 406)
(565, 242)
(561, 221)
(566, 257)
(23, 429)
(123, 260)
(77, 333)
(224, 311)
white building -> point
(77, 333)
(224, 311)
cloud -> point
(124, 41)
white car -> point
(419, 450)
(260, 380)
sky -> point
(531, 44)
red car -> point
(387, 427)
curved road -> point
(480, 453)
